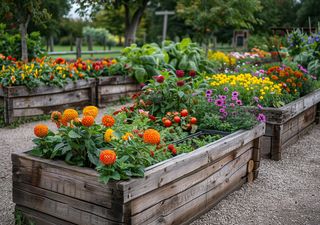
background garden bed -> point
(114, 88)
(52, 192)
(286, 124)
(19, 101)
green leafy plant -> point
(144, 62)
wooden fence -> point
(78, 52)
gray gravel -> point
(286, 192)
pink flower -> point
(261, 117)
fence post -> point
(78, 47)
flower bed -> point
(19, 101)
(52, 192)
(113, 88)
(286, 124)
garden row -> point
(188, 140)
(20, 101)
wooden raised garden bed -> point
(113, 88)
(19, 101)
(286, 124)
(172, 192)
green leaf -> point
(93, 158)
(73, 134)
(181, 94)
(115, 176)
(140, 74)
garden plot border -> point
(285, 125)
(175, 191)
(19, 101)
(114, 88)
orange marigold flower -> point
(299, 84)
(108, 157)
(274, 77)
(151, 136)
(90, 111)
(127, 136)
(70, 114)
(64, 121)
(289, 80)
(87, 121)
(108, 120)
(41, 130)
(108, 135)
(56, 116)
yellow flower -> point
(108, 135)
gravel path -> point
(286, 192)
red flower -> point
(192, 73)
(180, 83)
(180, 73)
(153, 118)
(160, 79)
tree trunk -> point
(131, 25)
(131, 31)
(24, 47)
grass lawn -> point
(60, 48)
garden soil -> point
(287, 192)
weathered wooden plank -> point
(195, 207)
(56, 176)
(39, 218)
(30, 112)
(105, 99)
(115, 89)
(179, 167)
(276, 143)
(174, 194)
(114, 213)
(60, 210)
(23, 91)
(115, 80)
(52, 100)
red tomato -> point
(170, 147)
(167, 123)
(184, 113)
(193, 120)
(163, 119)
(177, 119)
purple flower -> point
(218, 102)
(259, 106)
(256, 99)
(232, 105)
(223, 97)
(235, 94)
(239, 102)
(209, 92)
(261, 117)
(210, 100)
(226, 89)
(234, 98)
(222, 110)
(208, 96)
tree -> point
(51, 27)
(309, 8)
(133, 12)
(206, 16)
(23, 11)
